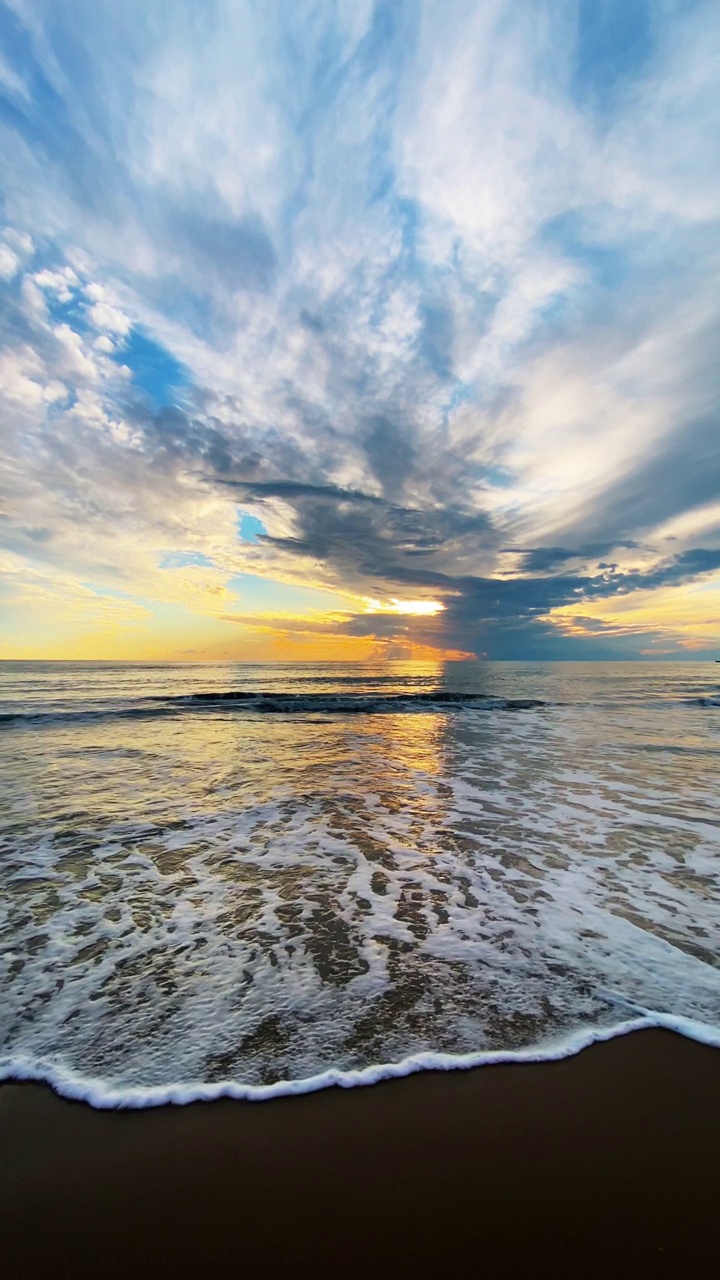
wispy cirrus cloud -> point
(427, 291)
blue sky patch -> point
(250, 528)
(606, 263)
(72, 311)
(615, 40)
(154, 370)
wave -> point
(347, 704)
(103, 1095)
(271, 703)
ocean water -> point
(251, 880)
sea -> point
(253, 880)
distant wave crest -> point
(272, 703)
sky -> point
(359, 329)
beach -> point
(359, 600)
(606, 1159)
(227, 887)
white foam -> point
(277, 909)
(99, 1095)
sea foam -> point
(99, 1095)
(251, 905)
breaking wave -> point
(271, 703)
(251, 882)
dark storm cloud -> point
(358, 534)
(410, 550)
(544, 559)
(686, 567)
(173, 436)
(380, 540)
(497, 611)
(390, 452)
(293, 489)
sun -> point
(426, 608)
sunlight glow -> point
(428, 608)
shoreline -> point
(100, 1097)
(606, 1157)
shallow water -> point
(350, 870)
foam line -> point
(104, 1097)
(200, 904)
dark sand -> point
(608, 1160)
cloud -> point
(427, 289)
(9, 262)
(544, 559)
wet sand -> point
(608, 1159)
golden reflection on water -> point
(412, 742)
(258, 896)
